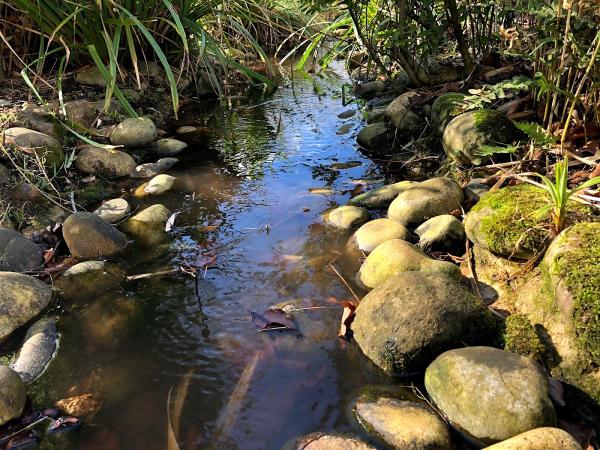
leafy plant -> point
(560, 194)
(489, 94)
(537, 134)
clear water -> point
(251, 210)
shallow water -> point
(250, 214)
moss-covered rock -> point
(396, 256)
(506, 222)
(466, 135)
(521, 337)
(489, 393)
(445, 108)
(403, 324)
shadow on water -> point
(248, 214)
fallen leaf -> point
(48, 255)
(347, 319)
(321, 191)
(208, 228)
(84, 405)
(205, 260)
(292, 258)
(171, 221)
(273, 318)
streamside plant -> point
(560, 194)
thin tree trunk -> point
(463, 47)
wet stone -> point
(378, 231)
(328, 441)
(160, 184)
(88, 236)
(113, 210)
(134, 132)
(149, 170)
(347, 216)
(12, 395)
(167, 147)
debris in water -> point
(321, 191)
(345, 165)
(84, 405)
(347, 319)
(274, 319)
(171, 221)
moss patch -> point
(579, 270)
(496, 127)
(445, 108)
(520, 337)
(513, 220)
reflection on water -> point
(249, 216)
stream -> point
(250, 217)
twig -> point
(344, 281)
(144, 276)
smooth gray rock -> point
(160, 184)
(17, 253)
(12, 395)
(167, 147)
(377, 138)
(346, 217)
(21, 299)
(149, 170)
(406, 322)
(134, 132)
(88, 236)
(491, 394)
(443, 233)
(104, 162)
(378, 231)
(38, 349)
(380, 197)
(401, 114)
(113, 210)
(46, 147)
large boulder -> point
(406, 322)
(12, 395)
(445, 108)
(545, 438)
(377, 138)
(377, 231)
(88, 236)
(443, 233)
(17, 253)
(45, 147)
(466, 136)
(401, 114)
(425, 200)
(21, 299)
(505, 222)
(104, 162)
(134, 132)
(113, 210)
(489, 393)
(346, 217)
(396, 256)
(402, 425)
(565, 299)
(380, 197)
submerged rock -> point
(104, 162)
(45, 147)
(466, 135)
(378, 231)
(347, 216)
(21, 299)
(149, 170)
(401, 114)
(17, 253)
(167, 147)
(445, 108)
(505, 221)
(113, 210)
(134, 132)
(489, 393)
(402, 425)
(148, 226)
(396, 256)
(545, 438)
(328, 441)
(403, 324)
(377, 138)
(160, 184)
(88, 236)
(381, 197)
(38, 349)
(12, 395)
(89, 278)
(425, 200)
(443, 233)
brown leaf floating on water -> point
(84, 405)
(347, 319)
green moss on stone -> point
(520, 337)
(445, 108)
(514, 218)
(497, 128)
(579, 269)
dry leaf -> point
(347, 319)
(84, 405)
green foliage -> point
(560, 194)
(536, 133)
(487, 95)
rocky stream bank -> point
(467, 293)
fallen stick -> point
(144, 276)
